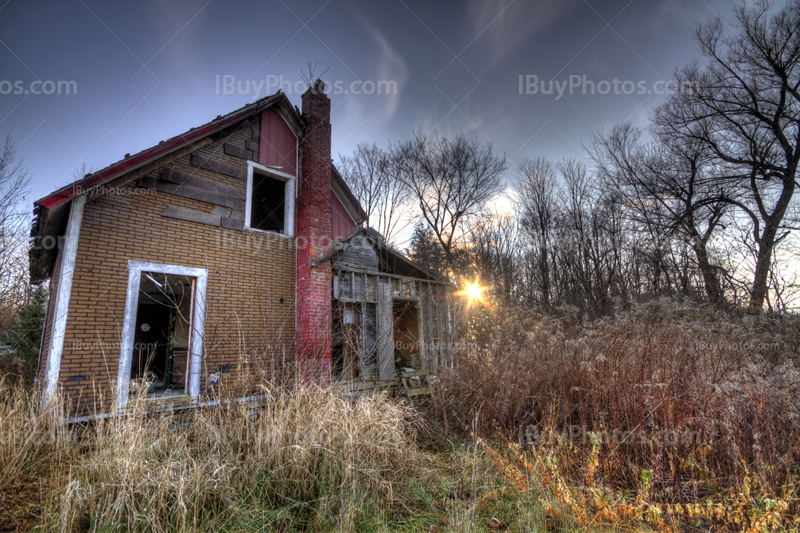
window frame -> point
(289, 198)
(196, 330)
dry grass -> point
(309, 457)
(688, 405)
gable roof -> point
(387, 258)
(163, 148)
(50, 212)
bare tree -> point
(451, 180)
(371, 175)
(590, 233)
(743, 105)
(537, 204)
(495, 249)
(14, 181)
(667, 186)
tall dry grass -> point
(695, 400)
(31, 444)
(306, 457)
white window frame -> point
(196, 327)
(288, 205)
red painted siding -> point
(278, 146)
(342, 225)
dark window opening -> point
(406, 335)
(160, 359)
(267, 203)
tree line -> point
(700, 203)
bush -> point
(19, 354)
(699, 398)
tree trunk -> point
(760, 282)
(766, 244)
(709, 273)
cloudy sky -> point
(146, 71)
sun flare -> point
(474, 292)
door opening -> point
(160, 359)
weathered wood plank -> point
(193, 193)
(385, 331)
(237, 151)
(416, 373)
(209, 164)
(357, 254)
(191, 215)
(221, 211)
(252, 146)
(231, 223)
(182, 178)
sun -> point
(473, 292)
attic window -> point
(270, 200)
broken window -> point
(270, 200)
(267, 203)
(160, 359)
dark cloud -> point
(146, 71)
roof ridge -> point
(132, 162)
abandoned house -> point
(231, 252)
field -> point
(665, 417)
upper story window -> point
(270, 200)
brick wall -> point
(313, 238)
(250, 314)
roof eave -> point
(165, 148)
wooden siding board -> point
(277, 145)
(236, 151)
(194, 193)
(222, 168)
(358, 254)
(342, 225)
(385, 331)
(191, 215)
(182, 178)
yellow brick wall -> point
(248, 275)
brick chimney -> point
(314, 238)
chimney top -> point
(318, 86)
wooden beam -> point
(193, 193)
(191, 215)
(100, 190)
(237, 151)
(209, 164)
